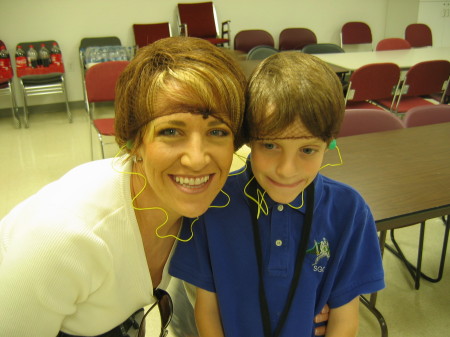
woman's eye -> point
(219, 133)
(168, 132)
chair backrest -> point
(95, 42)
(296, 38)
(247, 39)
(427, 114)
(419, 35)
(355, 32)
(393, 43)
(361, 121)
(322, 48)
(426, 78)
(99, 42)
(101, 80)
(200, 18)
(39, 71)
(145, 34)
(373, 81)
(261, 52)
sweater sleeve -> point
(45, 271)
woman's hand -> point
(322, 317)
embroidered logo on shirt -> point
(321, 250)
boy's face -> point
(285, 167)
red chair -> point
(200, 20)
(7, 88)
(247, 39)
(145, 34)
(371, 83)
(101, 81)
(393, 43)
(418, 35)
(356, 33)
(361, 121)
(296, 38)
(421, 81)
(428, 114)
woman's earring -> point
(137, 159)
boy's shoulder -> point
(338, 191)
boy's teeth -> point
(192, 181)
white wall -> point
(399, 14)
(68, 21)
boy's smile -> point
(285, 167)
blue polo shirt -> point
(343, 258)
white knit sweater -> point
(71, 256)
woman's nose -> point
(195, 154)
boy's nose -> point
(287, 167)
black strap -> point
(298, 263)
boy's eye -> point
(168, 132)
(308, 150)
(269, 146)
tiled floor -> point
(51, 146)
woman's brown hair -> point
(191, 73)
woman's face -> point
(186, 160)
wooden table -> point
(405, 58)
(404, 175)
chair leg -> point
(100, 138)
(416, 271)
(14, 108)
(69, 113)
(25, 110)
(377, 314)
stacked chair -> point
(7, 89)
(42, 80)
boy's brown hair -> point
(292, 86)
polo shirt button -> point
(280, 207)
(279, 243)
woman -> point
(84, 253)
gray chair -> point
(261, 52)
(93, 42)
(322, 48)
(42, 81)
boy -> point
(290, 239)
